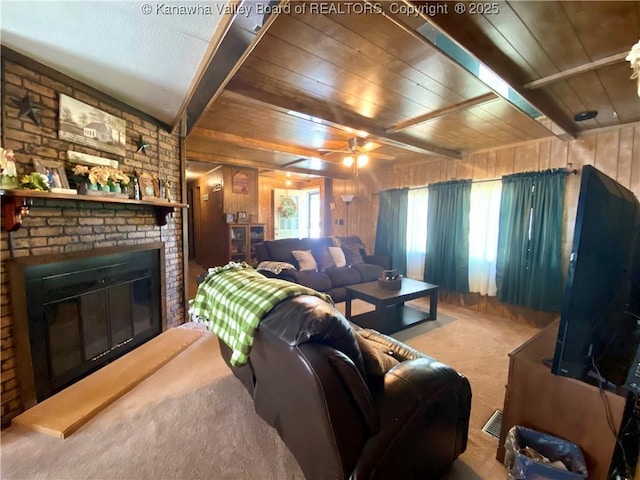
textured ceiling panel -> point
(147, 60)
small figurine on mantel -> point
(167, 190)
(8, 173)
(135, 194)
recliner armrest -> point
(422, 403)
(401, 351)
(423, 376)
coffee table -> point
(391, 314)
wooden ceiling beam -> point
(224, 59)
(458, 107)
(294, 162)
(587, 67)
(243, 162)
(332, 116)
(468, 36)
(253, 143)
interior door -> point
(290, 213)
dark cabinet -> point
(242, 239)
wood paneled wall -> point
(615, 151)
(363, 211)
(241, 202)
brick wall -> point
(55, 226)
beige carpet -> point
(192, 420)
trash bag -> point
(533, 455)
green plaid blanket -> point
(232, 300)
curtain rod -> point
(483, 180)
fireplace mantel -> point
(16, 204)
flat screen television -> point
(598, 334)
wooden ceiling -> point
(402, 75)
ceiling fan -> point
(358, 151)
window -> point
(484, 221)
(417, 232)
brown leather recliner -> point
(340, 415)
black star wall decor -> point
(28, 110)
(142, 146)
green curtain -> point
(447, 256)
(391, 230)
(529, 263)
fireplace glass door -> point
(84, 314)
(87, 327)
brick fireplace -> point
(58, 227)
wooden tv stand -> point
(561, 406)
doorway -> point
(296, 213)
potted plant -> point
(118, 181)
(35, 181)
(83, 180)
(102, 178)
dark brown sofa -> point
(340, 410)
(327, 278)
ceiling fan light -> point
(347, 161)
(362, 160)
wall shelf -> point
(16, 204)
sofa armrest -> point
(382, 260)
(421, 404)
(291, 275)
(261, 252)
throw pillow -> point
(352, 241)
(305, 260)
(377, 358)
(338, 256)
(352, 256)
(274, 267)
(323, 259)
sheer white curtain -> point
(417, 232)
(484, 220)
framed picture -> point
(229, 217)
(240, 183)
(147, 187)
(242, 217)
(86, 125)
(54, 171)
